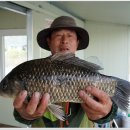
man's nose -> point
(64, 39)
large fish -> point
(62, 76)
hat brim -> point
(82, 35)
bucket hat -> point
(59, 23)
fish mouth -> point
(6, 95)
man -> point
(62, 36)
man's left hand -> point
(95, 109)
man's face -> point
(63, 40)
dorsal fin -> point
(70, 58)
(61, 56)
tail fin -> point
(122, 94)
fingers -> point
(92, 114)
(95, 109)
(33, 103)
(35, 107)
(89, 101)
(99, 94)
(87, 108)
(43, 104)
(103, 98)
(19, 100)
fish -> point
(63, 75)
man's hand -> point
(95, 109)
(34, 108)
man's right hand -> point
(34, 108)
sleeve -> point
(20, 119)
(109, 116)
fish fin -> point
(70, 58)
(85, 64)
(61, 56)
(95, 60)
(57, 111)
(122, 94)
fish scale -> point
(63, 76)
